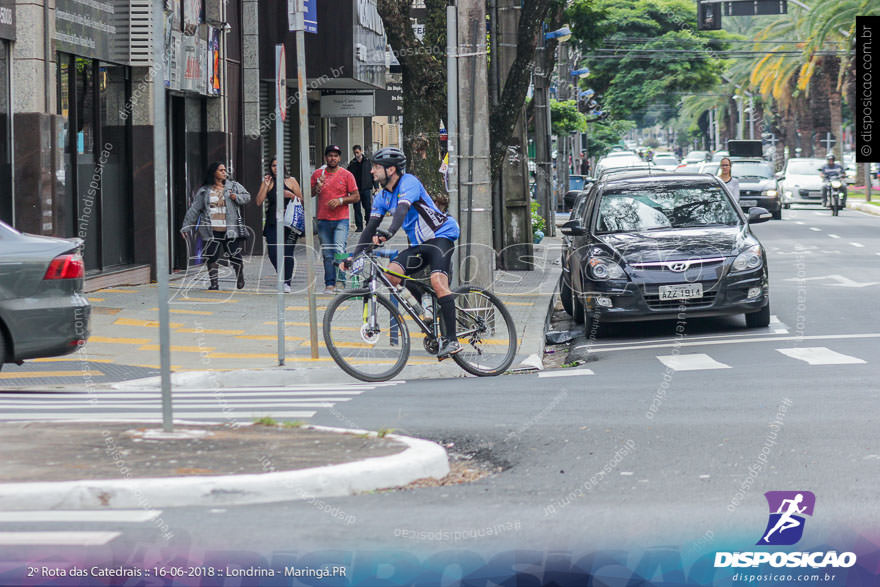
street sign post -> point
(299, 25)
(280, 117)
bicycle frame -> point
(378, 273)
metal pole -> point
(739, 123)
(751, 117)
(452, 118)
(160, 191)
(717, 129)
(302, 102)
(280, 78)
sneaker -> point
(448, 348)
(330, 289)
(286, 288)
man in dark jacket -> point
(360, 168)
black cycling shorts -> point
(436, 253)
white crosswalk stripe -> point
(565, 373)
(205, 405)
(821, 356)
(694, 362)
(60, 537)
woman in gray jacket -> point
(216, 212)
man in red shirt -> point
(335, 188)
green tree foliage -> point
(566, 118)
(650, 54)
(603, 135)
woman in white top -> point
(731, 182)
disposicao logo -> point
(786, 524)
(785, 527)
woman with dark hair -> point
(725, 174)
(216, 213)
(270, 228)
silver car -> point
(800, 181)
(42, 310)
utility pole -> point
(542, 136)
(452, 119)
(160, 192)
(513, 234)
(562, 159)
(474, 179)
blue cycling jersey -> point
(424, 220)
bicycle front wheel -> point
(366, 336)
(485, 330)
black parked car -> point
(652, 247)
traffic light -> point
(709, 16)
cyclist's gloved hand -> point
(378, 239)
(345, 265)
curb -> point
(533, 339)
(268, 377)
(421, 459)
(864, 207)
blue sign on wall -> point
(311, 16)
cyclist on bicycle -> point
(431, 235)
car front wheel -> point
(759, 319)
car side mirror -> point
(572, 228)
(758, 215)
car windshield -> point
(748, 170)
(642, 208)
(665, 159)
(805, 167)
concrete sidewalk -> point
(219, 338)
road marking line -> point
(303, 308)
(218, 415)
(193, 312)
(694, 362)
(69, 360)
(56, 538)
(95, 299)
(133, 516)
(115, 340)
(144, 323)
(774, 319)
(799, 222)
(519, 303)
(813, 228)
(740, 341)
(117, 290)
(209, 331)
(566, 373)
(268, 337)
(178, 348)
(38, 374)
(183, 395)
(179, 405)
(833, 236)
(821, 356)
(217, 300)
(859, 245)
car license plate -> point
(681, 292)
(747, 203)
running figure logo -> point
(786, 524)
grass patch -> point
(570, 365)
(383, 432)
(294, 424)
(265, 421)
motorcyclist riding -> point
(833, 170)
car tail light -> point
(68, 266)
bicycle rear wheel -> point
(485, 330)
(369, 352)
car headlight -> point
(749, 259)
(769, 193)
(602, 268)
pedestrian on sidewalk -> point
(360, 168)
(270, 229)
(216, 212)
(335, 188)
(725, 174)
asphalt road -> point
(649, 444)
